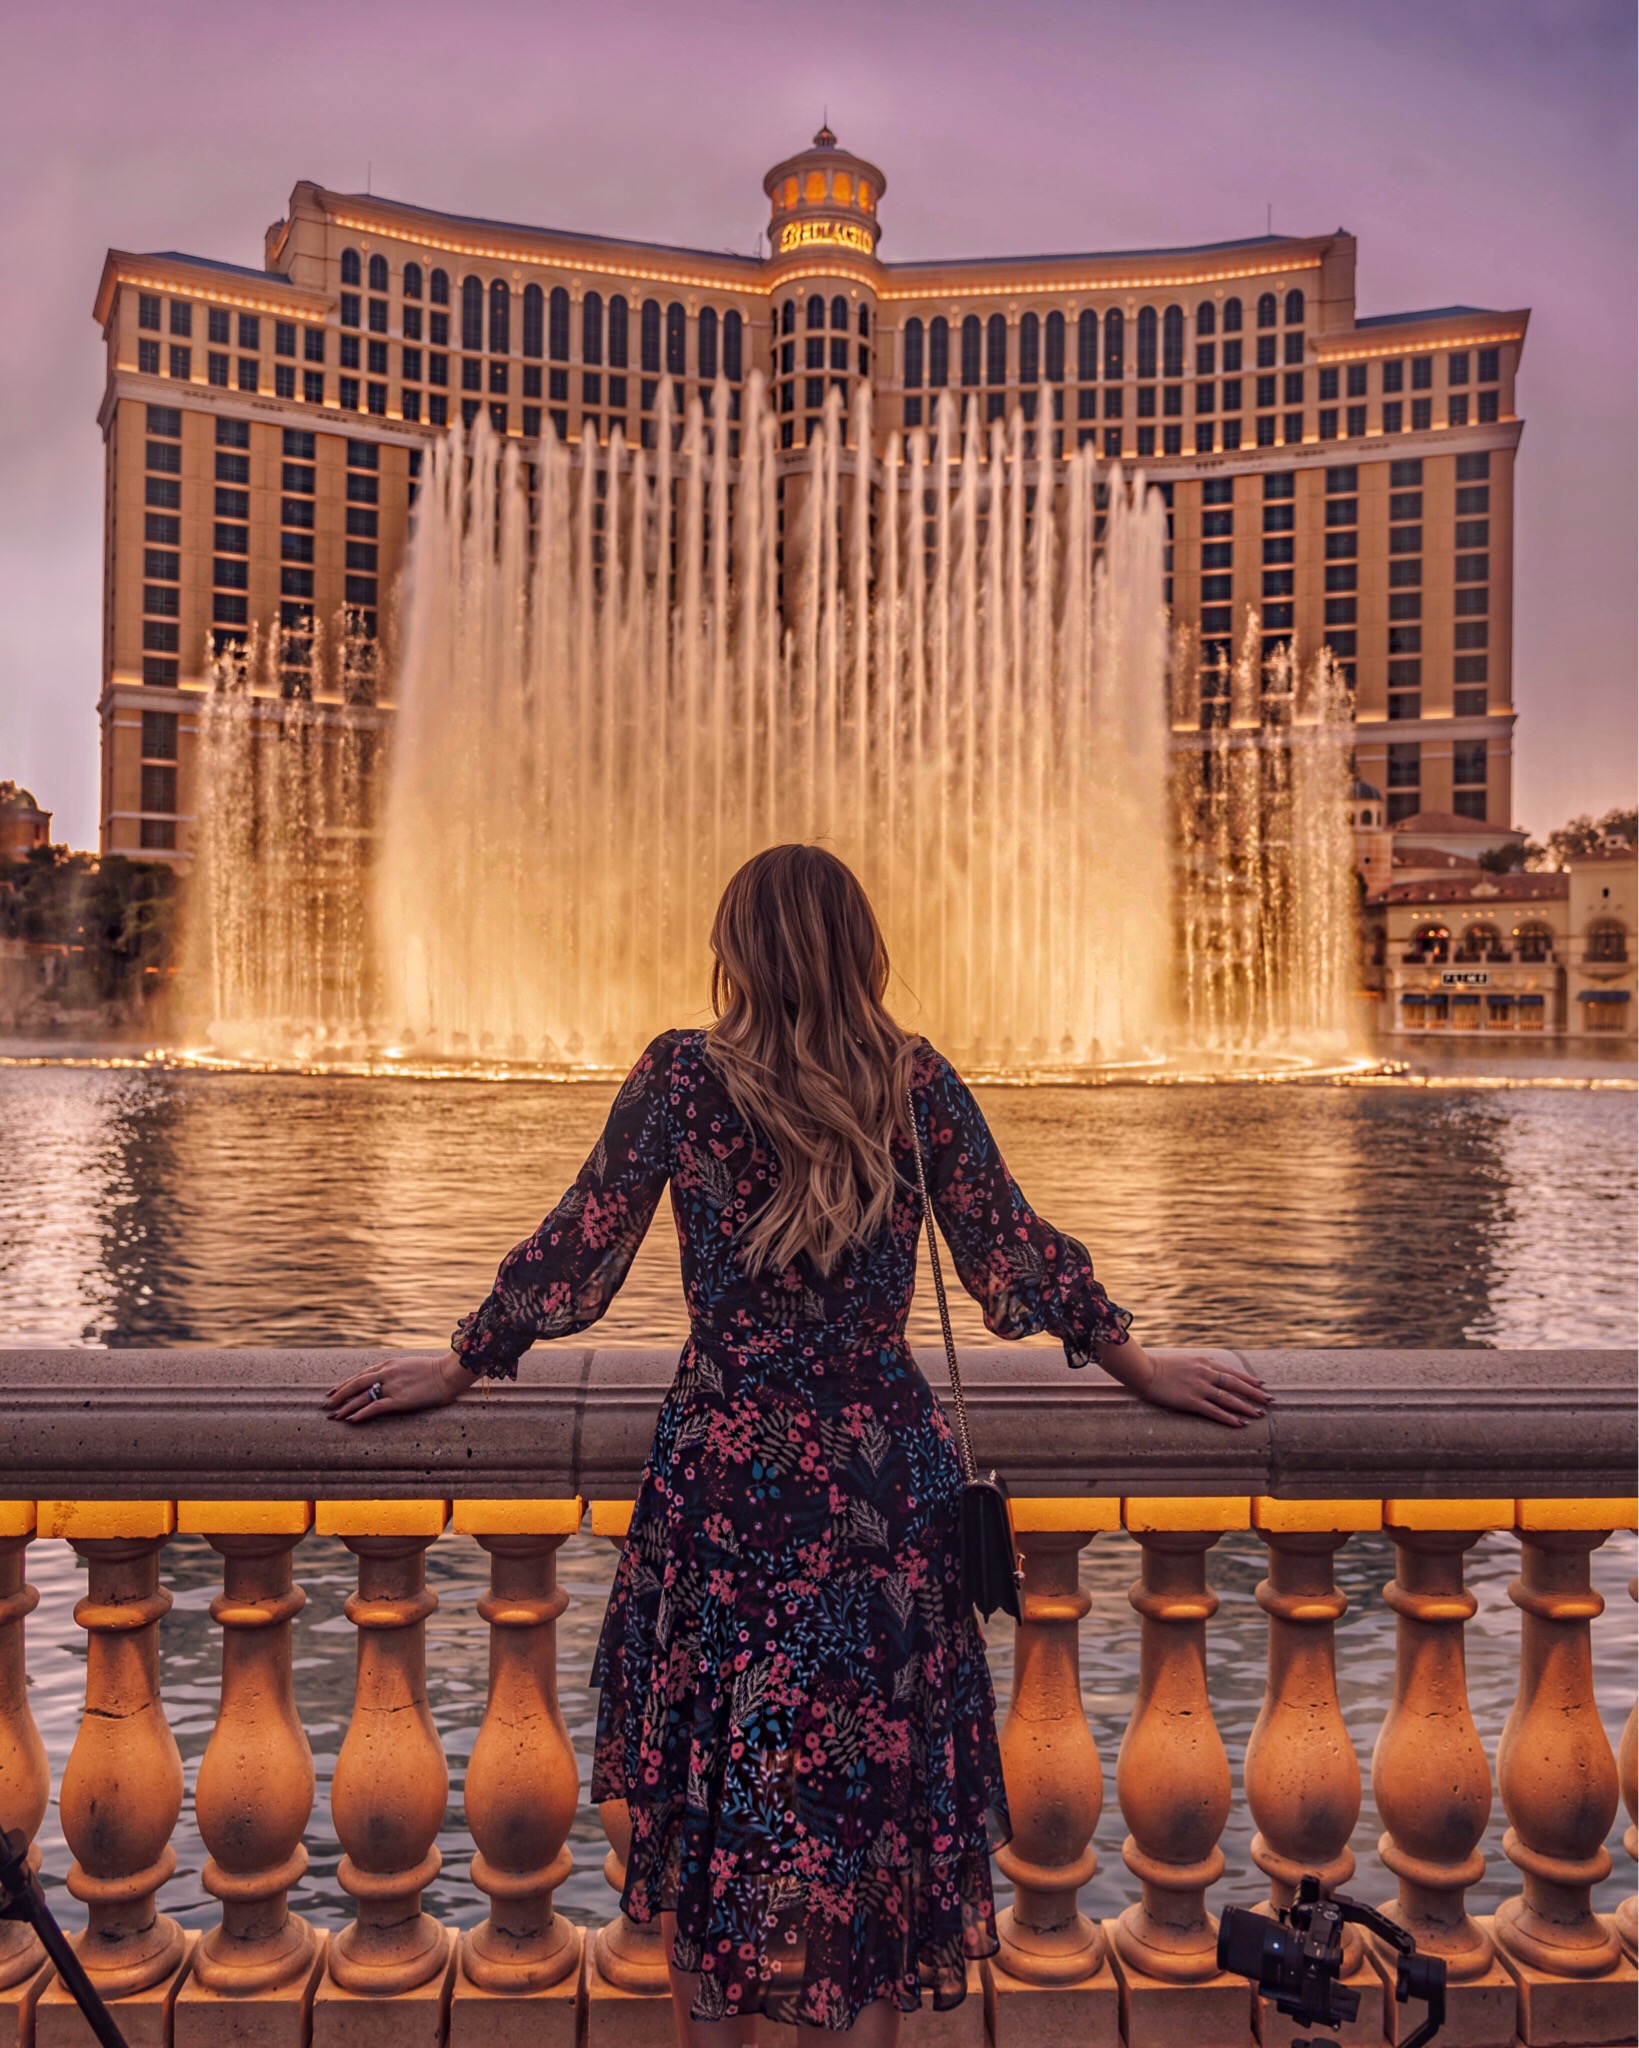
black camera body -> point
(1296, 1960)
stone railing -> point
(116, 1451)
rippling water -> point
(142, 1208)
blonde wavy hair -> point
(809, 1055)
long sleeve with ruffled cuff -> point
(1025, 1275)
(564, 1277)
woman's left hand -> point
(400, 1384)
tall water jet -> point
(1266, 899)
(618, 671)
(277, 956)
(624, 670)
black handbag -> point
(991, 1567)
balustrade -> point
(520, 1968)
(1548, 1970)
(254, 1792)
(388, 1794)
(25, 1780)
(1301, 1774)
(1557, 1777)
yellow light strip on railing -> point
(77, 1520)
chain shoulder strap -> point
(964, 1441)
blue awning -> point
(1413, 996)
(1604, 995)
(1499, 1000)
(1463, 996)
(1537, 1000)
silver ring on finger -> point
(375, 1391)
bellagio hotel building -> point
(1347, 480)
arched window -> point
(1294, 308)
(864, 322)
(618, 328)
(534, 321)
(1087, 346)
(706, 343)
(733, 346)
(591, 328)
(352, 271)
(913, 354)
(472, 313)
(378, 273)
(788, 317)
(438, 287)
(1030, 349)
(500, 317)
(412, 280)
(939, 351)
(1144, 352)
(996, 349)
(970, 349)
(816, 310)
(1266, 309)
(839, 312)
(557, 325)
(1115, 343)
(676, 342)
(1172, 342)
(1481, 939)
(1607, 941)
(1533, 940)
(1232, 316)
(649, 336)
(1055, 348)
(1206, 318)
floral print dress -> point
(795, 1701)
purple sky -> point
(1481, 150)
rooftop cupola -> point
(824, 200)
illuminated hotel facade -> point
(1347, 481)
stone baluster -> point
(522, 1788)
(122, 1786)
(390, 1789)
(1172, 1779)
(25, 1779)
(627, 1959)
(254, 1792)
(1051, 1980)
(1557, 1778)
(1429, 1773)
(1627, 1771)
(1301, 1773)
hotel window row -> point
(235, 346)
(544, 329)
(425, 375)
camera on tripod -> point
(1296, 1960)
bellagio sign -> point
(799, 234)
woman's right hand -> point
(407, 1381)
(1194, 1382)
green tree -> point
(1583, 835)
(116, 917)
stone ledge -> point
(103, 1425)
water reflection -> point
(193, 1208)
(162, 1208)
